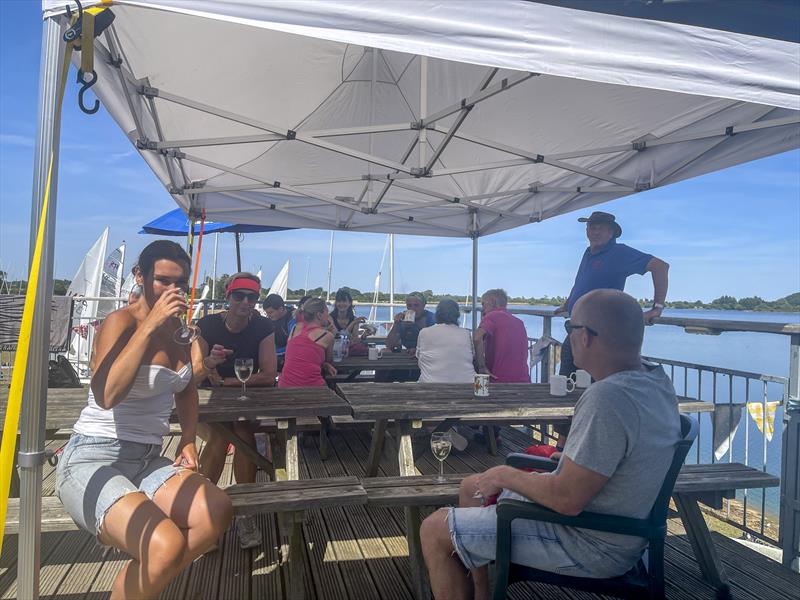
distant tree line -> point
(789, 303)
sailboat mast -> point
(330, 268)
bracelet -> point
(658, 305)
(207, 368)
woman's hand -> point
(186, 456)
(170, 304)
(329, 369)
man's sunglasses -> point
(240, 296)
(568, 325)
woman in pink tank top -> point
(309, 352)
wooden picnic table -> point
(408, 404)
(352, 366)
(218, 407)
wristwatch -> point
(658, 305)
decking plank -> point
(379, 557)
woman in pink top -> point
(309, 352)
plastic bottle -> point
(337, 348)
(345, 344)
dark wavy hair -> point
(343, 294)
(162, 250)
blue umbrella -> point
(176, 222)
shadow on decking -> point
(356, 553)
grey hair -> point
(498, 295)
(448, 312)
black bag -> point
(61, 374)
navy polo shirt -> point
(608, 268)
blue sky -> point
(732, 232)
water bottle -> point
(345, 344)
(337, 349)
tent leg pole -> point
(790, 464)
(34, 403)
(238, 254)
(474, 283)
(391, 277)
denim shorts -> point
(533, 543)
(94, 472)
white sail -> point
(86, 284)
(127, 286)
(111, 281)
(281, 284)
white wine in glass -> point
(441, 443)
(243, 367)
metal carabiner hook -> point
(85, 85)
(74, 32)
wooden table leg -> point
(287, 468)
(491, 440)
(376, 447)
(324, 428)
(419, 576)
(702, 544)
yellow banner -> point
(765, 423)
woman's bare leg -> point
(199, 508)
(212, 458)
(137, 526)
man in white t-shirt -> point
(618, 452)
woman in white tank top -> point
(111, 477)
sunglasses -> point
(240, 296)
(570, 328)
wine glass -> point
(186, 333)
(243, 367)
(441, 443)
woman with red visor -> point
(239, 332)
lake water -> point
(760, 353)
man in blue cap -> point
(607, 265)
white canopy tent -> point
(451, 118)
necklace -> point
(230, 329)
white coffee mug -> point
(481, 384)
(581, 378)
(560, 385)
(375, 353)
(410, 316)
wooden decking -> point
(355, 552)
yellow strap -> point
(11, 425)
(87, 42)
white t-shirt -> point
(444, 354)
